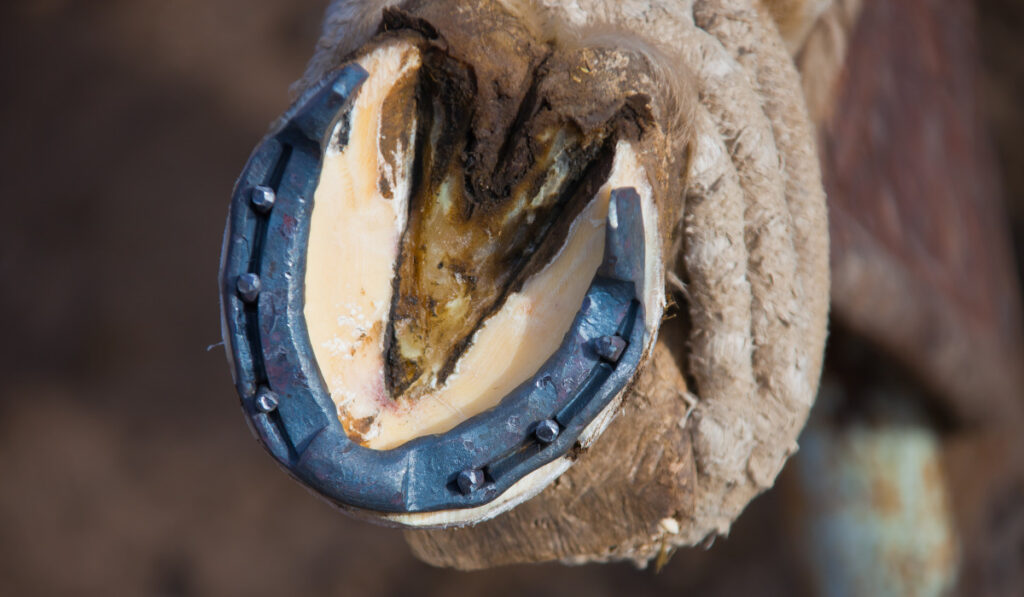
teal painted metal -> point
(874, 511)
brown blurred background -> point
(125, 464)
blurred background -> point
(126, 466)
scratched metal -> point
(271, 356)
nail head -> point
(470, 480)
(610, 348)
(266, 402)
(249, 287)
(547, 431)
(263, 198)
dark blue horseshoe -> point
(284, 395)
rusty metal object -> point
(874, 511)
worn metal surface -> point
(874, 511)
(286, 399)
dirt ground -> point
(126, 467)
